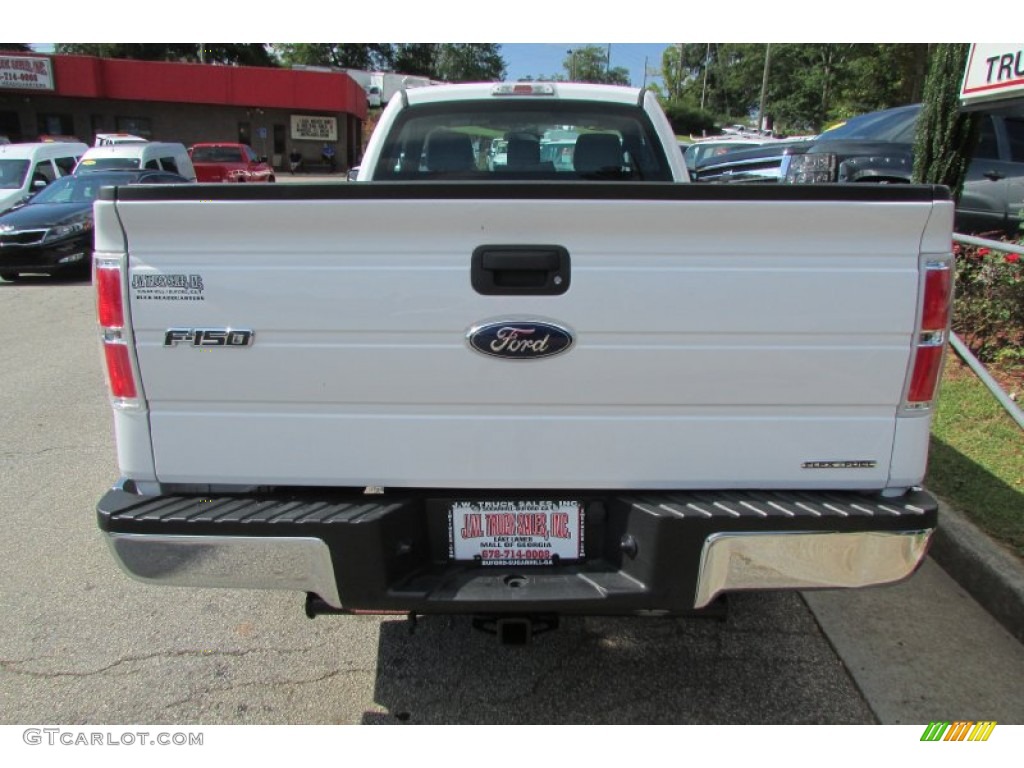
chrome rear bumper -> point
(729, 561)
(795, 560)
(236, 562)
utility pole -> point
(679, 80)
(707, 61)
(608, 61)
(764, 86)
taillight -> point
(938, 290)
(108, 276)
(932, 333)
(108, 295)
(119, 370)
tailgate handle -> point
(520, 270)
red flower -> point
(984, 251)
(1012, 258)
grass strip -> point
(976, 461)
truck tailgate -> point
(723, 336)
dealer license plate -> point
(515, 532)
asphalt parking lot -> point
(84, 644)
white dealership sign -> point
(313, 128)
(995, 72)
(26, 73)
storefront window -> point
(137, 126)
(56, 125)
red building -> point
(275, 111)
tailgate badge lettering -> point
(520, 339)
(859, 464)
(209, 337)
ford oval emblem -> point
(520, 339)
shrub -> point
(687, 120)
(988, 308)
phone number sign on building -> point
(313, 128)
(26, 73)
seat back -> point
(597, 152)
(523, 152)
(449, 151)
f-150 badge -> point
(208, 337)
(520, 339)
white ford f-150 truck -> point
(564, 381)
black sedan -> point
(52, 233)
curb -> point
(990, 574)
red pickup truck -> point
(229, 162)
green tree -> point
(589, 64)
(247, 54)
(945, 137)
(451, 62)
(810, 84)
(879, 76)
(366, 56)
(469, 62)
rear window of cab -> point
(490, 140)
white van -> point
(153, 155)
(27, 168)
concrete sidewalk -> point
(946, 643)
(991, 574)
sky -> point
(536, 59)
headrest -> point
(523, 151)
(449, 151)
(597, 151)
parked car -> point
(706, 148)
(217, 162)
(27, 168)
(877, 148)
(52, 232)
(146, 155)
(764, 163)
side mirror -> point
(38, 184)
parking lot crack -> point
(16, 666)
